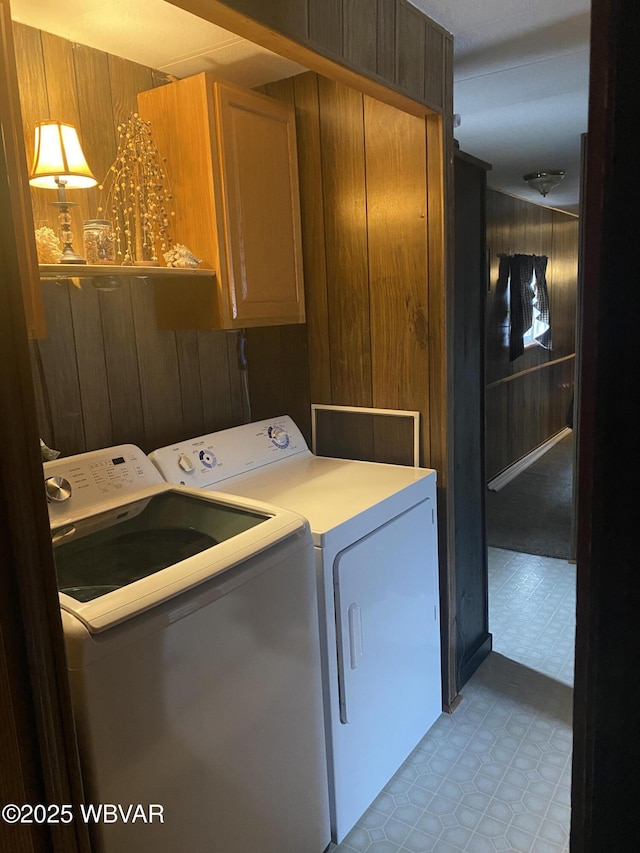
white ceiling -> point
(156, 34)
(521, 70)
(521, 79)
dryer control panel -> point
(209, 459)
(75, 484)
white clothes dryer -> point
(374, 530)
(190, 625)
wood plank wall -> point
(527, 400)
(387, 40)
(105, 374)
(363, 196)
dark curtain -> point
(522, 298)
(542, 301)
(521, 302)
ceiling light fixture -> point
(544, 181)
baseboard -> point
(521, 465)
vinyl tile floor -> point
(495, 775)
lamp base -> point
(68, 255)
(71, 257)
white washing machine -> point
(374, 530)
(190, 624)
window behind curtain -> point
(528, 298)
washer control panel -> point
(75, 484)
(210, 459)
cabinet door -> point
(261, 207)
(21, 218)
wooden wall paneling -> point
(288, 16)
(496, 408)
(531, 239)
(91, 365)
(97, 126)
(546, 230)
(567, 384)
(528, 403)
(295, 361)
(158, 370)
(127, 79)
(279, 374)
(34, 105)
(215, 370)
(282, 90)
(121, 360)
(386, 39)
(392, 440)
(239, 406)
(396, 229)
(313, 236)
(43, 413)
(434, 80)
(326, 24)
(342, 132)
(63, 395)
(266, 372)
(295, 44)
(561, 379)
(410, 49)
(63, 105)
(554, 420)
(496, 309)
(515, 433)
(346, 435)
(360, 33)
(190, 384)
(563, 271)
(518, 234)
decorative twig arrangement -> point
(138, 195)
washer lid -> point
(119, 562)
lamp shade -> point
(57, 154)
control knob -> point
(186, 463)
(57, 489)
(279, 437)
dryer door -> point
(388, 650)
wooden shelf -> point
(96, 270)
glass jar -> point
(99, 245)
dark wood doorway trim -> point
(607, 682)
(38, 752)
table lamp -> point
(58, 163)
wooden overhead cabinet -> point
(233, 169)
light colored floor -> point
(494, 775)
